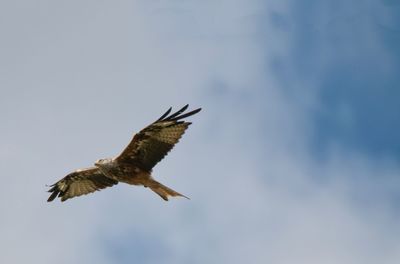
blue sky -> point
(294, 158)
(358, 80)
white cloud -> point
(257, 193)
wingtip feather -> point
(176, 118)
(165, 114)
(53, 195)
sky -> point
(295, 157)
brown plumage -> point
(133, 165)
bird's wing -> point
(152, 143)
(80, 182)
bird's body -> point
(123, 172)
(134, 165)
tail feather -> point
(162, 190)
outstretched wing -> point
(152, 143)
(80, 182)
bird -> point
(134, 165)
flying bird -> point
(134, 165)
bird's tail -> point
(162, 190)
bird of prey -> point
(133, 165)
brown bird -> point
(133, 165)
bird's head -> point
(102, 162)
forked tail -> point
(162, 190)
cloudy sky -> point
(295, 157)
